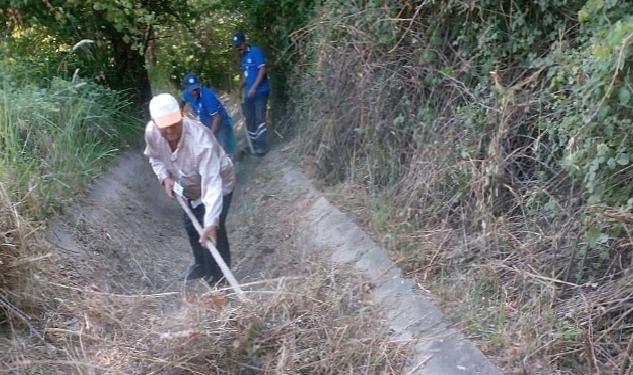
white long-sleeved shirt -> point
(199, 164)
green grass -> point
(55, 139)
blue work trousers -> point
(255, 114)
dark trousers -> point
(201, 255)
(255, 113)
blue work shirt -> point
(252, 61)
(206, 106)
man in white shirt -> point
(182, 150)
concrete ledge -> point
(439, 349)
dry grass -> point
(515, 291)
(322, 323)
(463, 185)
(18, 260)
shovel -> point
(179, 192)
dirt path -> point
(128, 228)
(127, 239)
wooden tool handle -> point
(214, 252)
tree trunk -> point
(132, 70)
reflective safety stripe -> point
(261, 129)
(258, 134)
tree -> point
(121, 29)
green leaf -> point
(611, 163)
(593, 234)
(624, 95)
(602, 149)
(551, 206)
(399, 120)
(583, 15)
(622, 158)
(603, 112)
(595, 5)
(593, 198)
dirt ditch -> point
(324, 298)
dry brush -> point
(456, 157)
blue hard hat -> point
(191, 82)
(238, 38)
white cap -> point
(164, 110)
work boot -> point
(260, 152)
(194, 272)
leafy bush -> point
(201, 44)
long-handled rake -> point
(179, 192)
